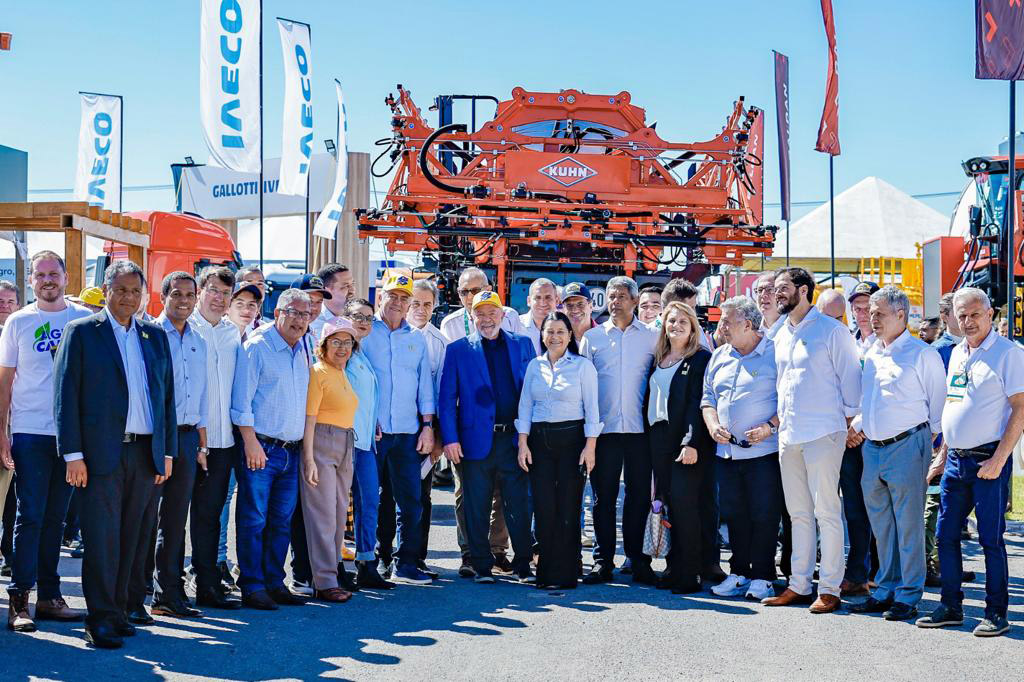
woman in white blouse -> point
(558, 426)
(681, 447)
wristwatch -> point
(426, 422)
(204, 451)
(774, 429)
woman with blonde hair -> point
(681, 447)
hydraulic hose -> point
(425, 167)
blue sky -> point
(911, 109)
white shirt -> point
(566, 391)
(436, 344)
(531, 330)
(661, 385)
(979, 385)
(622, 359)
(222, 342)
(771, 330)
(903, 385)
(316, 326)
(819, 378)
(458, 324)
(28, 344)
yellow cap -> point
(486, 298)
(399, 283)
(92, 296)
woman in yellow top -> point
(327, 446)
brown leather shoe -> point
(333, 594)
(18, 617)
(788, 598)
(57, 609)
(825, 603)
(851, 589)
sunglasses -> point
(741, 443)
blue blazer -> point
(466, 399)
(91, 393)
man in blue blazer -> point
(117, 431)
(479, 397)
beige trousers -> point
(325, 507)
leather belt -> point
(898, 437)
(287, 444)
(132, 437)
(980, 452)
(185, 428)
(504, 428)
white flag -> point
(297, 140)
(98, 176)
(229, 82)
(327, 222)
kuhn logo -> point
(568, 171)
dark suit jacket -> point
(684, 396)
(466, 404)
(91, 393)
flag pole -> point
(120, 164)
(309, 171)
(260, 188)
(1011, 205)
(787, 242)
(831, 214)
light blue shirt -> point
(140, 410)
(436, 344)
(402, 364)
(564, 392)
(188, 357)
(742, 389)
(271, 379)
(364, 382)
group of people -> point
(337, 400)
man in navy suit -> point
(117, 431)
(479, 397)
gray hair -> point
(243, 271)
(895, 298)
(473, 271)
(427, 285)
(946, 304)
(6, 285)
(967, 294)
(745, 306)
(622, 282)
(122, 267)
(290, 296)
(541, 282)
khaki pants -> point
(810, 481)
(6, 476)
(325, 507)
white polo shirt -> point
(978, 389)
(903, 385)
(458, 324)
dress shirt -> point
(566, 391)
(309, 341)
(364, 382)
(316, 326)
(945, 345)
(457, 324)
(771, 330)
(742, 389)
(903, 385)
(863, 343)
(436, 343)
(222, 343)
(188, 358)
(140, 411)
(818, 378)
(623, 360)
(402, 364)
(530, 329)
(979, 385)
(271, 380)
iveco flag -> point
(229, 82)
(98, 177)
(327, 222)
(297, 142)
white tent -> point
(873, 218)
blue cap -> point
(575, 289)
(311, 283)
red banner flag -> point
(999, 47)
(828, 131)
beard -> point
(788, 305)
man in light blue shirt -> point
(268, 404)
(401, 362)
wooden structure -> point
(349, 249)
(77, 219)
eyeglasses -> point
(301, 314)
(741, 443)
(360, 317)
(340, 343)
(764, 290)
(470, 292)
(219, 293)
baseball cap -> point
(399, 283)
(863, 289)
(338, 324)
(92, 296)
(575, 289)
(486, 298)
(241, 287)
(311, 283)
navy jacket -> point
(466, 401)
(91, 393)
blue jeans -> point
(43, 496)
(398, 460)
(263, 517)
(894, 492)
(962, 491)
(365, 498)
(858, 527)
(225, 515)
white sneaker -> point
(732, 586)
(760, 589)
(303, 588)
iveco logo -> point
(568, 171)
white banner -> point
(229, 82)
(297, 138)
(327, 222)
(98, 176)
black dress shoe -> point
(713, 574)
(687, 587)
(216, 599)
(122, 628)
(285, 597)
(139, 616)
(103, 636)
(643, 574)
(597, 576)
(176, 608)
(347, 580)
(932, 579)
(901, 611)
(434, 575)
(871, 605)
(259, 600)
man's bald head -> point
(831, 302)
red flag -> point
(828, 131)
(999, 47)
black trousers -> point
(209, 492)
(557, 485)
(172, 501)
(113, 528)
(751, 496)
(301, 568)
(72, 526)
(681, 486)
(710, 549)
(619, 453)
